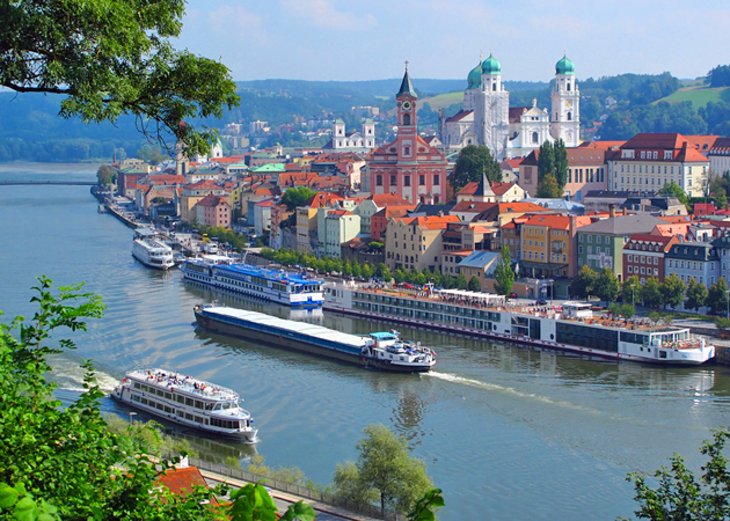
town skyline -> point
(326, 40)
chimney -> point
(611, 211)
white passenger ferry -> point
(151, 251)
(291, 289)
(571, 326)
(187, 401)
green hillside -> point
(700, 96)
(442, 101)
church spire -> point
(484, 189)
(406, 87)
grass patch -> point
(699, 96)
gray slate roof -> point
(623, 225)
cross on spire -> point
(406, 62)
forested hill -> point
(614, 107)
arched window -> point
(406, 119)
(494, 86)
(570, 116)
(568, 86)
(535, 137)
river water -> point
(507, 432)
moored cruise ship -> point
(151, 251)
(379, 350)
(569, 327)
(187, 401)
(291, 289)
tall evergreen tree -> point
(561, 163)
(545, 160)
(504, 275)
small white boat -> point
(151, 251)
(187, 401)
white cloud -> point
(322, 13)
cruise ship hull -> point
(143, 260)
(538, 330)
(293, 342)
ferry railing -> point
(305, 492)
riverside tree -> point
(682, 496)
(673, 291)
(696, 295)
(113, 58)
(384, 472)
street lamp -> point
(132, 415)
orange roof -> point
(227, 159)
(382, 200)
(557, 222)
(204, 184)
(430, 222)
(602, 145)
(324, 199)
(181, 481)
(212, 201)
(675, 218)
(523, 207)
(501, 188)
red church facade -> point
(408, 166)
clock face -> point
(406, 105)
(569, 103)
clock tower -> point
(565, 117)
(406, 100)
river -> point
(507, 432)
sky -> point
(358, 40)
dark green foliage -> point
(504, 275)
(672, 189)
(297, 196)
(106, 175)
(546, 161)
(474, 284)
(561, 163)
(696, 295)
(606, 286)
(110, 59)
(623, 123)
(548, 187)
(717, 297)
(426, 506)
(680, 495)
(719, 76)
(584, 283)
(651, 294)
(673, 290)
(631, 290)
(473, 161)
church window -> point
(568, 87)
(570, 116)
(421, 180)
(436, 180)
(406, 119)
(406, 150)
(494, 86)
(407, 180)
(379, 180)
(556, 116)
(535, 137)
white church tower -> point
(491, 113)
(565, 116)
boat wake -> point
(511, 391)
(69, 376)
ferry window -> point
(136, 385)
(198, 404)
(189, 402)
(180, 399)
(199, 419)
(168, 396)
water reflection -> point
(408, 415)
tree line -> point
(672, 292)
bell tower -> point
(565, 101)
(406, 100)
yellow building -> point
(415, 242)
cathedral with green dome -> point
(486, 117)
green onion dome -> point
(491, 66)
(565, 66)
(474, 79)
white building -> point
(487, 119)
(354, 141)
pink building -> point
(214, 211)
(408, 166)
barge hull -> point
(292, 344)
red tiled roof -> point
(382, 200)
(181, 481)
(212, 201)
(501, 188)
(523, 207)
(558, 222)
(515, 113)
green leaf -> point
(8, 496)
(299, 511)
